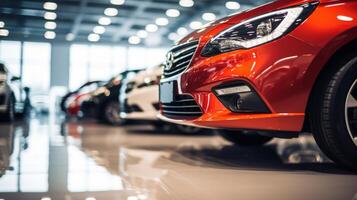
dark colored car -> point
(103, 103)
(14, 101)
(286, 67)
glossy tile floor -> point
(46, 159)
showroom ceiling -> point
(129, 21)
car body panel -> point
(283, 72)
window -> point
(102, 62)
(36, 66)
(10, 55)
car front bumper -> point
(277, 74)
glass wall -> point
(36, 63)
(99, 62)
(10, 55)
(37, 66)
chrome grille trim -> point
(182, 57)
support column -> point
(60, 64)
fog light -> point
(233, 90)
(240, 98)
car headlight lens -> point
(258, 30)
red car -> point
(286, 67)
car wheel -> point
(9, 115)
(112, 113)
(334, 113)
(245, 138)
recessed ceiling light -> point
(195, 25)
(182, 31)
(104, 21)
(151, 28)
(232, 5)
(142, 34)
(173, 36)
(50, 35)
(134, 39)
(50, 15)
(173, 13)
(208, 16)
(99, 29)
(111, 12)
(70, 37)
(50, 25)
(117, 2)
(186, 3)
(2, 24)
(162, 21)
(4, 32)
(50, 6)
(93, 37)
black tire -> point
(328, 119)
(245, 138)
(9, 115)
(111, 113)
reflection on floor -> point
(48, 159)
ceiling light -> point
(134, 39)
(162, 21)
(99, 29)
(93, 37)
(50, 15)
(111, 12)
(232, 5)
(173, 13)
(50, 6)
(151, 28)
(182, 31)
(117, 2)
(50, 35)
(208, 16)
(142, 34)
(50, 25)
(70, 37)
(195, 25)
(186, 3)
(104, 21)
(2, 24)
(4, 32)
(173, 36)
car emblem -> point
(169, 61)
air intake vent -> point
(179, 58)
(183, 107)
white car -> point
(142, 100)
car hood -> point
(210, 30)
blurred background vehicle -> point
(141, 102)
(14, 100)
(103, 103)
(70, 97)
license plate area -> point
(167, 92)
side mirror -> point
(15, 78)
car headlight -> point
(258, 30)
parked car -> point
(14, 101)
(142, 101)
(286, 67)
(103, 103)
(84, 89)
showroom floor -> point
(54, 160)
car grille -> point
(183, 107)
(180, 60)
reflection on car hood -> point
(213, 28)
